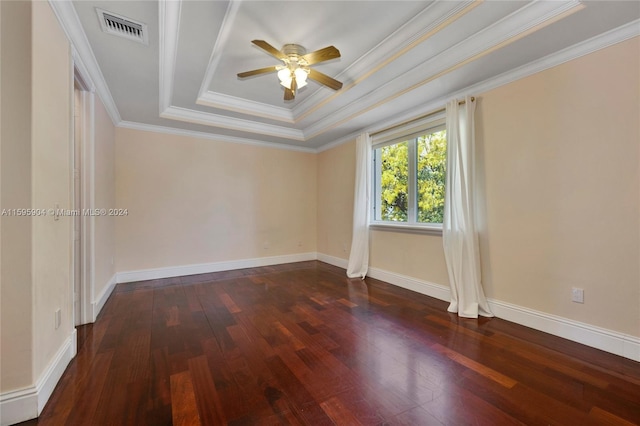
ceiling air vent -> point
(123, 27)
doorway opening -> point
(77, 203)
(82, 184)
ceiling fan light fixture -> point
(295, 70)
(301, 76)
(285, 76)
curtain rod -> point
(417, 118)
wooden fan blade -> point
(324, 79)
(269, 49)
(322, 55)
(258, 71)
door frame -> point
(87, 197)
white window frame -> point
(410, 132)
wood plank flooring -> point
(300, 344)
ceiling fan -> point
(293, 74)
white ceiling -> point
(399, 59)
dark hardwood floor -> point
(302, 344)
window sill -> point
(411, 229)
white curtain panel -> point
(459, 235)
(359, 256)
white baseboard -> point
(332, 260)
(203, 268)
(419, 286)
(52, 374)
(600, 338)
(27, 403)
(18, 406)
(98, 304)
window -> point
(409, 175)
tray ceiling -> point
(398, 59)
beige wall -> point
(51, 184)
(193, 201)
(15, 184)
(559, 184)
(336, 177)
(36, 255)
(560, 154)
(414, 255)
(105, 197)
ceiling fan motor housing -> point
(295, 52)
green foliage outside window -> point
(431, 153)
(393, 179)
(432, 160)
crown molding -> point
(350, 137)
(505, 31)
(232, 123)
(218, 100)
(221, 41)
(169, 13)
(70, 23)
(421, 27)
(532, 17)
(521, 22)
(528, 19)
(210, 136)
(233, 103)
(408, 36)
(602, 41)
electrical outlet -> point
(58, 318)
(577, 295)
